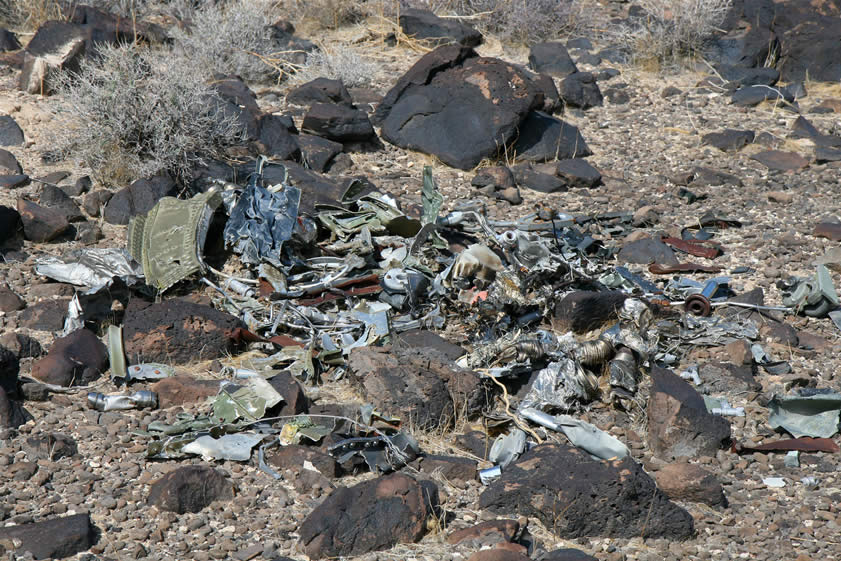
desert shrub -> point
(515, 21)
(344, 64)
(671, 30)
(327, 14)
(131, 112)
(28, 14)
(231, 38)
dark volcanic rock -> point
(690, 482)
(75, 359)
(543, 138)
(41, 224)
(9, 165)
(708, 177)
(485, 533)
(55, 198)
(55, 538)
(370, 516)
(320, 90)
(575, 496)
(276, 140)
(420, 384)
(51, 447)
(8, 41)
(722, 377)
(240, 103)
(9, 368)
(742, 76)
(728, 140)
(138, 198)
(94, 202)
(551, 98)
(338, 122)
(10, 132)
(526, 176)
(181, 389)
(678, 421)
(578, 173)
(22, 345)
(497, 177)
(9, 223)
(12, 413)
(10, 301)
(56, 46)
(318, 152)
(647, 251)
(423, 24)
(190, 489)
(551, 58)
(294, 399)
(46, 315)
(780, 160)
(581, 311)
(456, 470)
(293, 457)
(14, 181)
(177, 332)
(581, 90)
(424, 338)
(754, 95)
(457, 106)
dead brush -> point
(130, 112)
(671, 32)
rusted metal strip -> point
(802, 444)
(698, 248)
(659, 269)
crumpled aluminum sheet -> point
(236, 447)
(261, 221)
(91, 268)
(634, 328)
(710, 331)
(814, 415)
(562, 385)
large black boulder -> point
(458, 106)
(575, 496)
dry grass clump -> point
(346, 64)
(328, 14)
(230, 38)
(670, 31)
(28, 14)
(514, 21)
(133, 112)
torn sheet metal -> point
(381, 453)
(168, 240)
(116, 354)
(507, 448)
(581, 434)
(138, 400)
(248, 401)
(91, 268)
(563, 384)
(814, 415)
(261, 222)
(148, 371)
(236, 447)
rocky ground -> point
(645, 140)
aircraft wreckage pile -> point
(552, 329)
